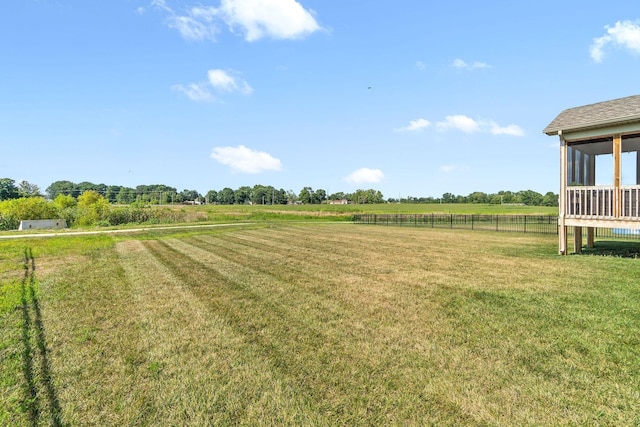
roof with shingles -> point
(592, 116)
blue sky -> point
(412, 98)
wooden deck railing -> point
(597, 202)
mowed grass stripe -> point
(93, 337)
(288, 324)
(349, 373)
(252, 316)
(414, 268)
(198, 370)
(471, 307)
(397, 353)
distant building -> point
(339, 202)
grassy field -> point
(345, 212)
(316, 324)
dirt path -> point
(127, 230)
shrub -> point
(15, 210)
(92, 208)
(64, 201)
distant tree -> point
(211, 196)
(157, 193)
(508, 197)
(126, 195)
(189, 195)
(111, 194)
(448, 198)
(367, 196)
(8, 189)
(86, 186)
(478, 197)
(306, 195)
(260, 195)
(281, 197)
(550, 199)
(226, 196)
(319, 196)
(243, 195)
(337, 196)
(26, 189)
(62, 187)
(292, 197)
(530, 198)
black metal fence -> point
(539, 224)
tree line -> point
(258, 194)
(525, 197)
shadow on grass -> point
(38, 378)
(622, 249)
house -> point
(603, 132)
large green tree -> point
(8, 189)
(550, 199)
(26, 189)
(62, 187)
(243, 195)
(226, 196)
(306, 195)
(530, 198)
(211, 196)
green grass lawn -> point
(345, 212)
(316, 324)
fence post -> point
(431, 220)
(497, 223)
(472, 222)
(451, 220)
(525, 223)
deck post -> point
(617, 157)
(562, 230)
(590, 234)
(577, 240)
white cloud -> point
(278, 19)
(195, 92)
(624, 33)
(162, 5)
(224, 81)
(220, 80)
(365, 176)
(459, 63)
(191, 28)
(421, 65)
(513, 130)
(468, 125)
(197, 24)
(415, 125)
(246, 160)
(459, 122)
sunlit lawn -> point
(316, 325)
